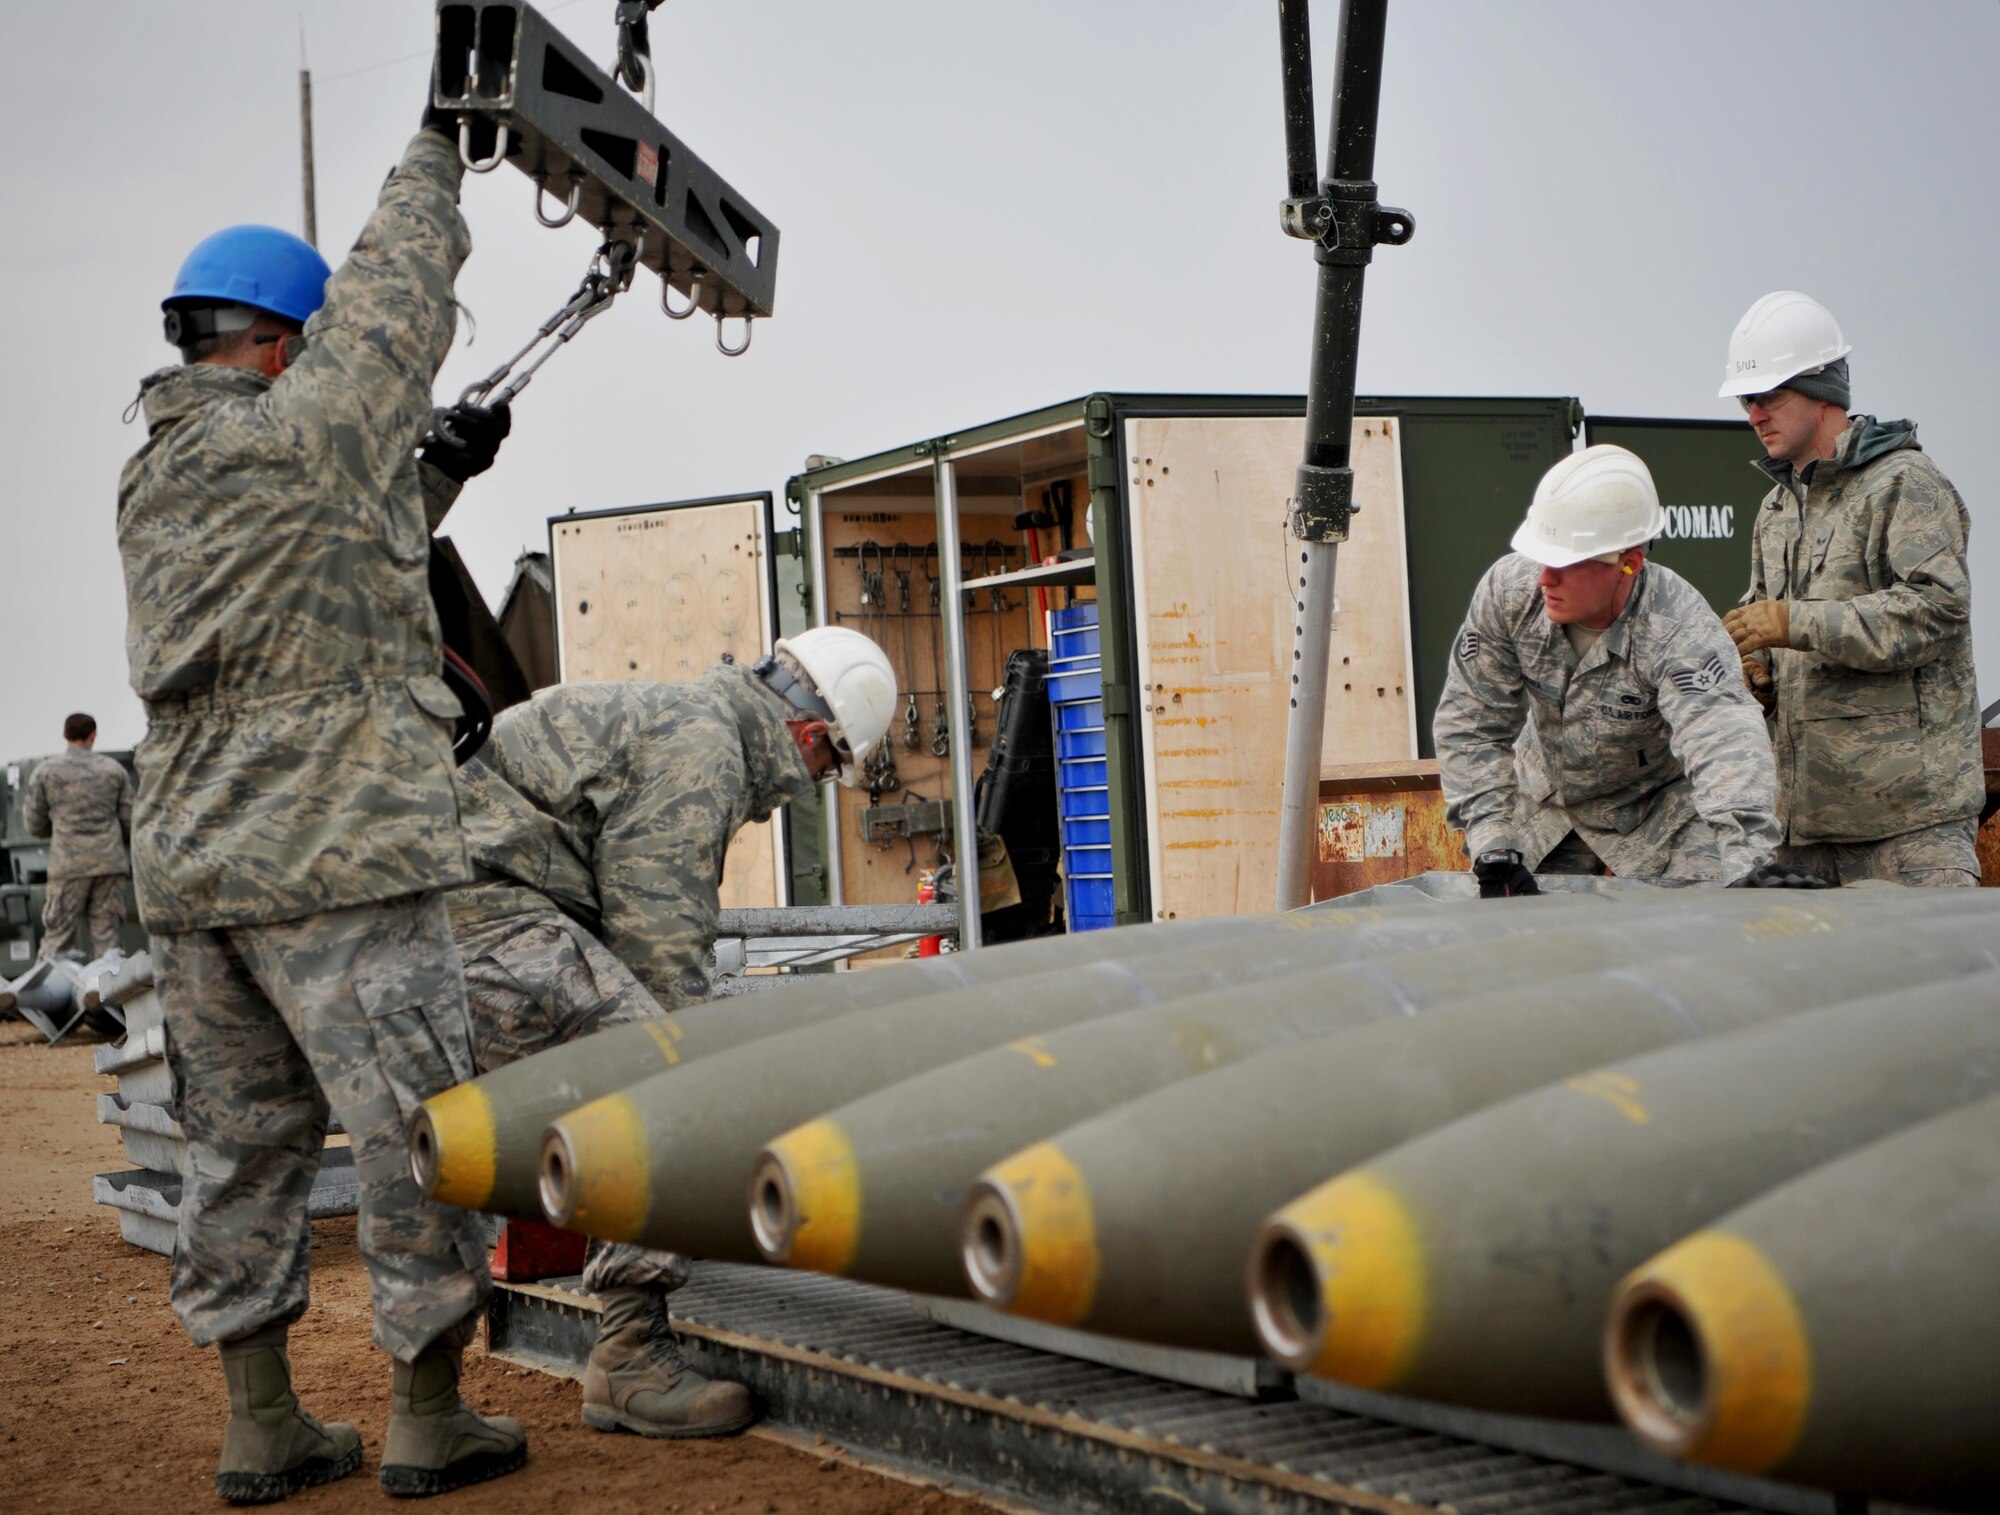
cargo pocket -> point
(415, 1005)
(533, 991)
(1861, 746)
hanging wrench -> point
(940, 727)
(913, 722)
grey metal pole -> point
(951, 606)
(829, 789)
(306, 155)
(1345, 222)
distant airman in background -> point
(82, 802)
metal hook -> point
(477, 166)
(723, 347)
(646, 90)
(569, 211)
(694, 297)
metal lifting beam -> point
(1343, 219)
(526, 94)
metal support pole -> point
(308, 188)
(1345, 222)
(951, 606)
(822, 614)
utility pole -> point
(306, 148)
(1341, 217)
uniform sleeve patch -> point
(1708, 676)
(1468, 645)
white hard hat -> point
(1782, 336)
(1596, 501)
(852, 676)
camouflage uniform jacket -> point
(82, 801)
(298, 752)
(617, 801)
(1877, 721)
(1651, 729)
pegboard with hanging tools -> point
(884, 579)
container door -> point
(1214, 589)
(661, 593)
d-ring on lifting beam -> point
(569, 210)
(723, 347)
(480, 165)
(667, 297)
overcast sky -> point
(991, 205)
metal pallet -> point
(862, 1367)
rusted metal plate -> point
(1378, 826)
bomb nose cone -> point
(558, 1170)
(595, 1171)
(1029, 1238)
(1707, 1357)
(453, 1147)
(805, 1199)
(773, 1218)
(423, 1151)
(1657, 1367)
(990, 1245)
(1337, 1283)
(1285, 1298)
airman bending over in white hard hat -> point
(1593, 718)
(597, 816)
(1856, 634)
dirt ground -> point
(104, 1404)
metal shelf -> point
(1070, 571)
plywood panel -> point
(661, 595)
(913, 640)
(1215, 574)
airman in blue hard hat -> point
(297, 812)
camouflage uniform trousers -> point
(361, 1010)
(98, 900)
(1944, 856)
(534, 979)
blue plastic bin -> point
(1084, 773)
(1085, 742)
(1087, 831)
(1071, 803)
(1080, 715)
(1091, 906)
(1075, 682)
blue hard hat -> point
(258, 266)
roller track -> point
(861, 1367)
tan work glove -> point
(1760, 624)
(1758, 679)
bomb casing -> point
(1474, 1265)
(1220, 1152)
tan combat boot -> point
(636, 1379)
(271, 1447)
(437, 1442)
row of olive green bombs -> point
(1718, 1162)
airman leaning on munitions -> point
(297, 811)
(82, 802)
(1856, 634)
(1593, 715)
(604, 811)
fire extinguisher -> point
(929, 946)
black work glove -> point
(1502, 874)
(1779, 876)
(465, 439)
